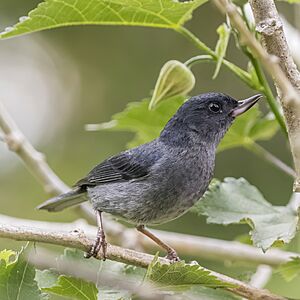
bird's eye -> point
(214, 107)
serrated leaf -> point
(182, 276)
(147, 124)
(74, 288)
(151, 13)
(236, 201)
(17, 279)
(221, 47)
(290, 270)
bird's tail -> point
(73, 197)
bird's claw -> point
(172, 256)
(100, 243)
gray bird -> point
(160, 180)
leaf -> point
(248, 128)
(221, 47)
(236, 201)
(45, 278)
(74, 288)
(290, 270)
(146, 124)
(17, 278)
(6, 255)
(182, 276)
(58, 13)
(175, 79)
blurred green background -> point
(104, 68)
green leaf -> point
(290, 270)
(151, 13)
(6, 255)
(248, 128)
(181, 276)
(146, 124)
(236, 201)
(45, 278)
(221, 47)
(17, 278)
(175, 79)
(74, 288)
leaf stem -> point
(242, 74)
(264, 82)
(265, 154)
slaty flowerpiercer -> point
(158, 181)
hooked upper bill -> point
(244, 105)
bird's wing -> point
(118, 168)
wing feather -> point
(118, 168)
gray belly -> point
(146, 202)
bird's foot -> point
(100, 243)
(172, 256)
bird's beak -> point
(244, 105)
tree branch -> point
(33, 160)
(290, 97)
(78, 240)
(203, 247)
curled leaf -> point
(175, 79)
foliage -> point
(236, 201)
(221, 47)
(291, 269)
(180, 275)
(17, 277)
(175, 79)
(151, 13)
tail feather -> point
(63, 201)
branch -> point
(78, 240)
(33, 160)
(189, 245)
(287, 82)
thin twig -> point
(261, 277)
(275, 161)
(290, 99)
(79, 241)
(33, 160)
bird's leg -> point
(172, 255)
(100, 241)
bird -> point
(161, 180)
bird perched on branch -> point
(160, 180)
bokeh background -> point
(54, 82)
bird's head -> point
(206, 117)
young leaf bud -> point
(175, 78)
